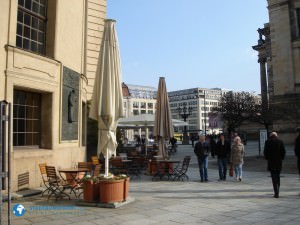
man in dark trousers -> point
(274, 152)
(202, 151)
(222, 150)
(297, 149)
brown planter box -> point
(126, 188)
(111, 191)
(90, 191)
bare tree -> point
(235, 108)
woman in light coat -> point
(237, 157)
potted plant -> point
(113, 188)
(90, 189)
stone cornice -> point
(277, 3)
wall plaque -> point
(70, 105)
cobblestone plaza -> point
(191, 202)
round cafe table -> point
(73, 177)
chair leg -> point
(47, 189)
(57, 192)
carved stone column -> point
(263, 84)
(262, 59)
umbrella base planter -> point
(113, 190)
(90, 191)
(106, 191)
(126, 188)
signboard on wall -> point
(70, 104)
(214, 120)
(263, 136)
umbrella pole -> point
(106, 164)
(146, 142)
(163, 149)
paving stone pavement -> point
(191, 202)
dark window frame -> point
(27, 119)
(31, 25)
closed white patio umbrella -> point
(163, 127)
(107, 99)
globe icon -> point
(19, 210)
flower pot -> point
(111, 191)
(126, 187)
(90, 191)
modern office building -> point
(138, 100)
(278, 52)
(198, 104)
(48, 58)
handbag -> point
(231, 171)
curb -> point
(22, 194)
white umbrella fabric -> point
(107, 99)
(163, 127)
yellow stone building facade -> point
(48, 59)
(278, 54)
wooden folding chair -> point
(95, 160)
(95, 174)
(180, 172)
(57, 186)
(117, 167)
(42, 167)
(86, 165)
(97, 170)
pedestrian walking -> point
(193, 140)
(237, 157)
(274, 152)
(297, 149)
(212, 145)
(202, 151)
(222, 150)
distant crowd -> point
(232, 151)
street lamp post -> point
(205, 112)
(185, 112)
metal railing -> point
(5, 166)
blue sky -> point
(192, 43)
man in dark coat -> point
(222, 150)
(202, 151)
(274, 152)
(297, 149)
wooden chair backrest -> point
(83, 165)
(42, 167)
(51, 172)
(97, 170)
(95, 160)
(86, 165)
(116, 162)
